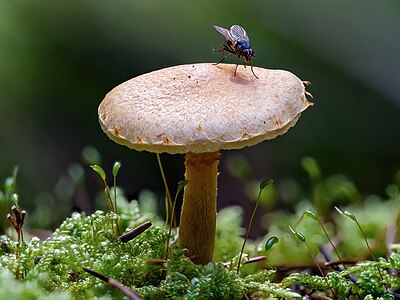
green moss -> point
(55, 265)
(53, 268)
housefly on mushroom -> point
(238, 43)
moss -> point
(55, 265)
(52, 269)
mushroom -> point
(198, 110)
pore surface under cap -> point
(202, 108)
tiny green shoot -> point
(264, 183)
(168, 194)
(99, 170)
(315, 217)
(302, 239)
(270, 243)
(351, 216)
(115, 170)
(181, 186)
(111, 206)
(117, 165)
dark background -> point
(59, 59)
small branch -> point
(339, 262)
(251, 260)
(135, 232)
(256, 259)
(115, 283)
(156, 261)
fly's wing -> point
(225, 33)
(237, 32)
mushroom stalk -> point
(199, 209)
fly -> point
(238, 43)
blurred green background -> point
(59, 59)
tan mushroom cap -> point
(202, 108)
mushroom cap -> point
(202, 108)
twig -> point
(156, 261)
(251, 260)
(135, 232)
(115, 283)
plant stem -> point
(247, 233)
(115, 205)
(166, 187)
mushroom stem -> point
(199, 209)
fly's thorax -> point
(242, 45)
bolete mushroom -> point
(199, 110)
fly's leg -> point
(223, 55)
(224, 48)
(253, 71)
(234, 74)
